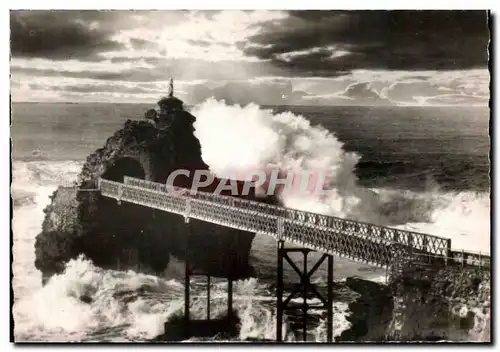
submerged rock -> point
(222, 328)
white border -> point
(257, 4)
(5, 179)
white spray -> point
(241, 138)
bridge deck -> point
(362, 242)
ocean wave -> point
(31, 175)
(23, 198)
(289, 143)
(87, 303)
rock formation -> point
(129, 236)
(423, 304)
(441, 303)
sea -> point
(425, 169)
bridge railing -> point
(358, 241)
(418, 241)
(469, 258)
(252, 217)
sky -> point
(267, 57)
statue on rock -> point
(170, 106)
(171, 88)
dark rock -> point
(128, 236)
(441, 302)
(86, 299)
(53, 251)
(176, 329)
(371, 311)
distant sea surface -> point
(400, 146)
(432, 151)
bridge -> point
(375, 245)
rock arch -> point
(125, 166)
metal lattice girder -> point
(306, 287)
(358, 241)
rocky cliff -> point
(442, 303)
(129, 236)
(449, 303)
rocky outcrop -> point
(129, 236)
(441, 303)
(371, 311)
(449, 303)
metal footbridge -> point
(361, 242)
(380, 246)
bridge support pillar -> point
(187, 282)
(308, 289)
(191, 326)
(230, 300)
(208, 297)
(329, 307)
(279, 293)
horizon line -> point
(245, 104)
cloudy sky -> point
(269, 57)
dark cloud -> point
(361, 91)
(206, 43)
(140, 44)
(395, 40)
(81, 34)
(203, 43)
(60, 34)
